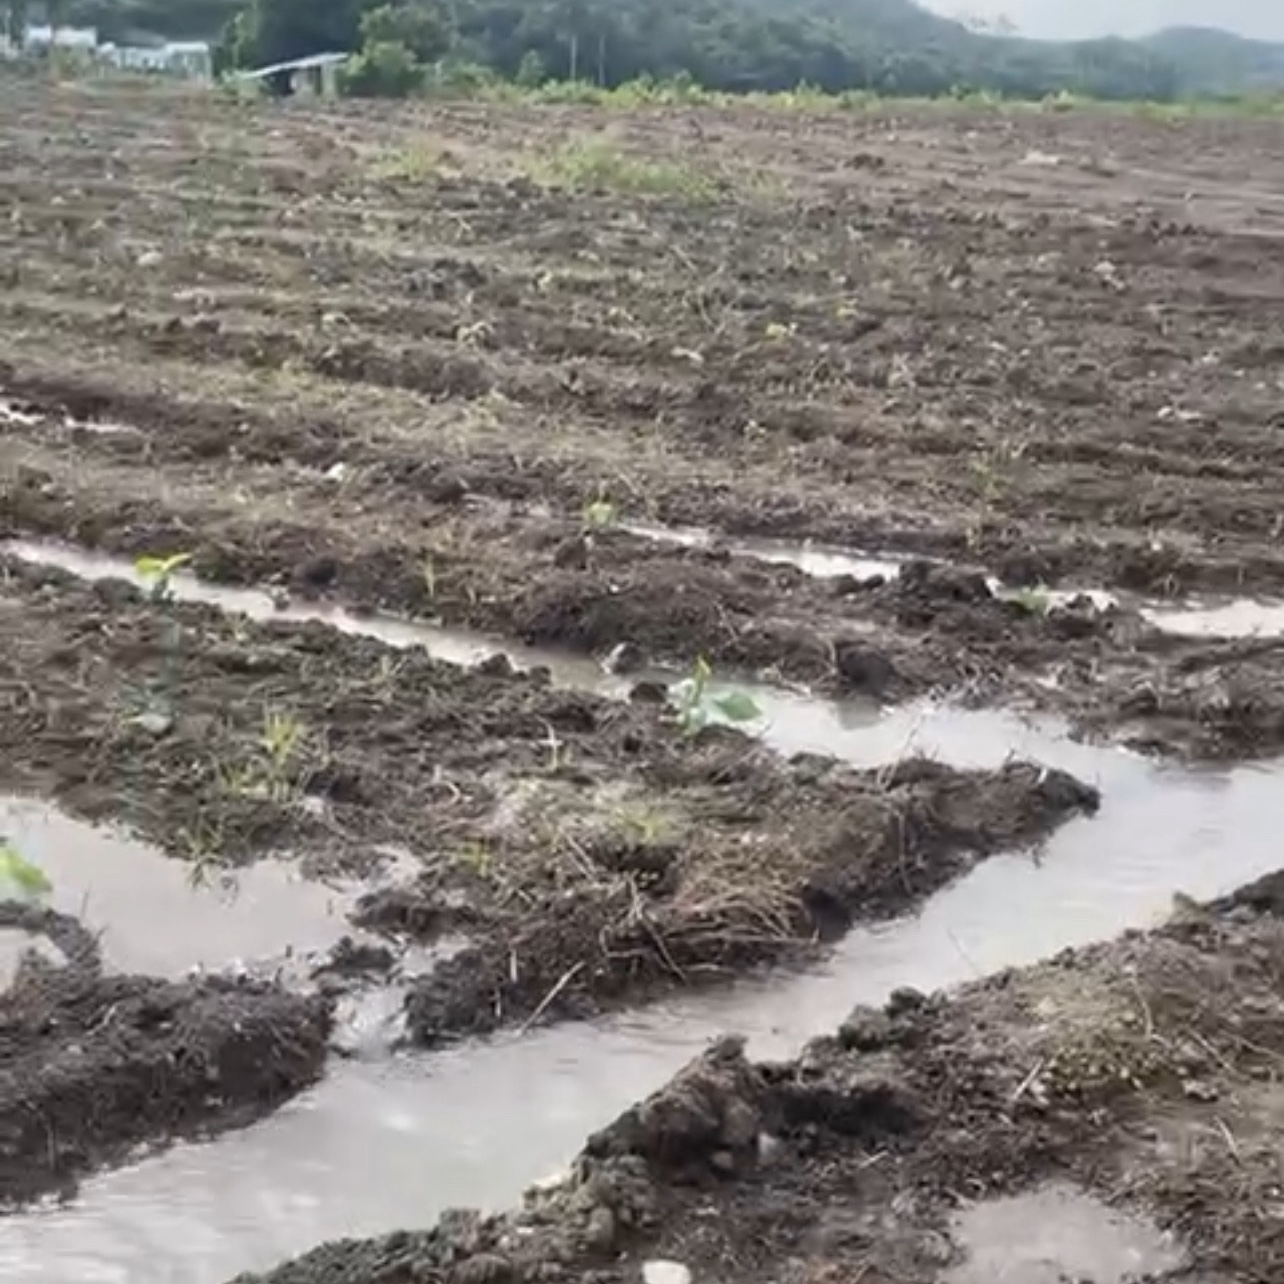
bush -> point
(385, 69)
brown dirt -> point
(1146, 1072)
(1055, 371)
(581, 843)
(376, 356)
(93, 1066)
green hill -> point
(889, 46)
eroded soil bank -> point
(94, 1065)
(1143, 1073)
(590, 850)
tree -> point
(17, 23)
(426, 31)
(281, 30)
(384, 69)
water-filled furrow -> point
(386, 1142)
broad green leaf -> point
(15, 869)
(736, 706)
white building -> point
(42, 37)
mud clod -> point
(93, 1065)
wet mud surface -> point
(590, 850)
(1128, 1085)
(94, 1065)
(396, 368)
(396, 361)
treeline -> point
(885, 46)
(882, 46)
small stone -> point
(660, 1271)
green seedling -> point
(697, 705)
(475, 857)
(19, 878)
(601, 514)
(157, 713)
(158, 573)
(1033, 601)
(280, 743)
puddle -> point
(456, 646)
(825, 561)
(1242, 618)
(149, 916)
(10, 414)
(1058, 1234)
(388, 1142)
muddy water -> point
(825, 561)
(150, 916)
(1241, 618)
(456, 646)
(388, 1142)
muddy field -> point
(396, 358)
(480, 428)
(1113, 1113)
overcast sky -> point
(1072, 19)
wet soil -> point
(96, 1066)
(590, 849)
(387, 359)
(1143, 1074)
(398, 359)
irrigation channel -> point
(389, 1139)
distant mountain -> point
(1213, 61)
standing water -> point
(388, 1143)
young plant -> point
(280, 743)
(600, 515)
(19, 878)
(1033, 601)
(157, 573)
(697, 705)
